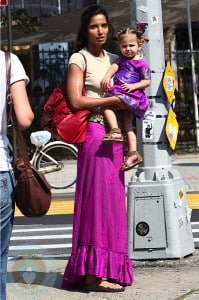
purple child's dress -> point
(131, 71)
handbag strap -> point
(8, 68)
(21, 145)
(8, 93)
(85, 60)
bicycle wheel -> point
(58, 162)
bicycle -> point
(56, 159)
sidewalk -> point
(39, 278)
(187, 164)
(188, 167)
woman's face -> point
(97, 31)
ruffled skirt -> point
(100, 220)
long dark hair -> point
(91, 11)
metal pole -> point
(59, 7)
(9, 27)
(158, 226)
(194, 85)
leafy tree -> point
(22, 21)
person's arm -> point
(21, 104)
(75, 84)
(106, 81)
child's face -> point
(129, 45)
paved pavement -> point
(187, 164)
(38, 278)
(188, 167)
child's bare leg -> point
(133, 158)
(110, 118)
(115, 134)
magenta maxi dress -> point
(100, 223)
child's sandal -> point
(139, 160)
(110, 138)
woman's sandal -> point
(97, 286)
(139, 160)
(110, 138)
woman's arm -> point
(75, 85)
(21, 104)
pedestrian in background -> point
(40, 86)
(42, 80)
(99, 260)
(131, 76)
(24, 115)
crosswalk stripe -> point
(36, 247)
(195, 230)
(42, 229)
(42, 237)
(196, 240)
(23, 233)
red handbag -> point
(57, 117)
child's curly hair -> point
(137, 31)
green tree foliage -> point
(22, 21)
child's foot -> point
(133, 159)
(114, 136)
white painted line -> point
(195, 230)
(42, 229)
(41, 237)
(40, 247)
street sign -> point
(3, 2)
(169, 83)
(172, 128)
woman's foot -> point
(99, 285)
(133, 159)
(114, 136)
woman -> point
(24, 115)
(99, 248)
